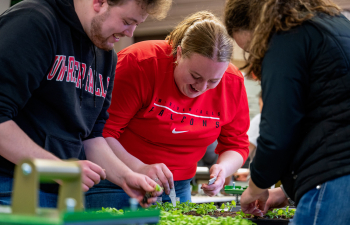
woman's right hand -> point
(160, 173)
(277, 199)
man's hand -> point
(160, 173)
(254, 199)
(277, 199)
(217, 171)
(91, 174)
(136, 185)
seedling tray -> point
(50, 217)
(271, 221)
(234, 189)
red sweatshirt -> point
(156, 123)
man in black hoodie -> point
(56, 79)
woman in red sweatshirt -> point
(171, 99)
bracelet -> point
(290, 201)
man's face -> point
(114, 22)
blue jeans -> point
(47, 200)
(107, 194)
(326, 205)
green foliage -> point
(111, 210)
(171, 218)
(202, 209)
(171, 215)
(241, 214)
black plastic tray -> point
(270, 221)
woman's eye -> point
(196, 78)
(125, 23)
(213, 81)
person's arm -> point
(135, 185)
(133, 91)
(15, 145)
(158, 170)
(97, 150)
(284, 82)
(232, 143)
(24, 63)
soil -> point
(233, 214)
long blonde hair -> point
(266, 17)
(204, 34)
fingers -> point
(251, 208)
(97, 169)
(146, 183)
(84, 187)
(166, 177)
(149, 202)
(214, 188)
(91, 174)
(215, 170)
(162, 175)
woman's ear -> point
(178, 53)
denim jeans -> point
(107, 194)
(327, 205)
(47, 200)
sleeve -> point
(233, 136)
(131, 92)
(284, 83)
(97, 130)
(27, 47)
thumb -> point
(214, 171)
(267, 207)
(149, 185)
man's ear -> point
(98, 4)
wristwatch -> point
(290, 201)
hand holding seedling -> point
(160, 173)
(217, 171)
(254, 199)
(137, 185)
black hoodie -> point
(43, 48)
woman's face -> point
(242, 38)
(196, 74)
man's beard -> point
(95, 33)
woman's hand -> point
(277, 199)
(254, 199)
(160, 173)
(137, 185)
(217, 171)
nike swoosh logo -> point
(178, 132)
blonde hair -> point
(155, 8)
(204, 34)
(266, 17)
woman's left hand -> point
(219, 172)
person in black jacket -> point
(56, 78)
(300, 51)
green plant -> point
(172, 218)
(111, 210)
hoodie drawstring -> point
(81, 73)
(82, 77)
(93, 47)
